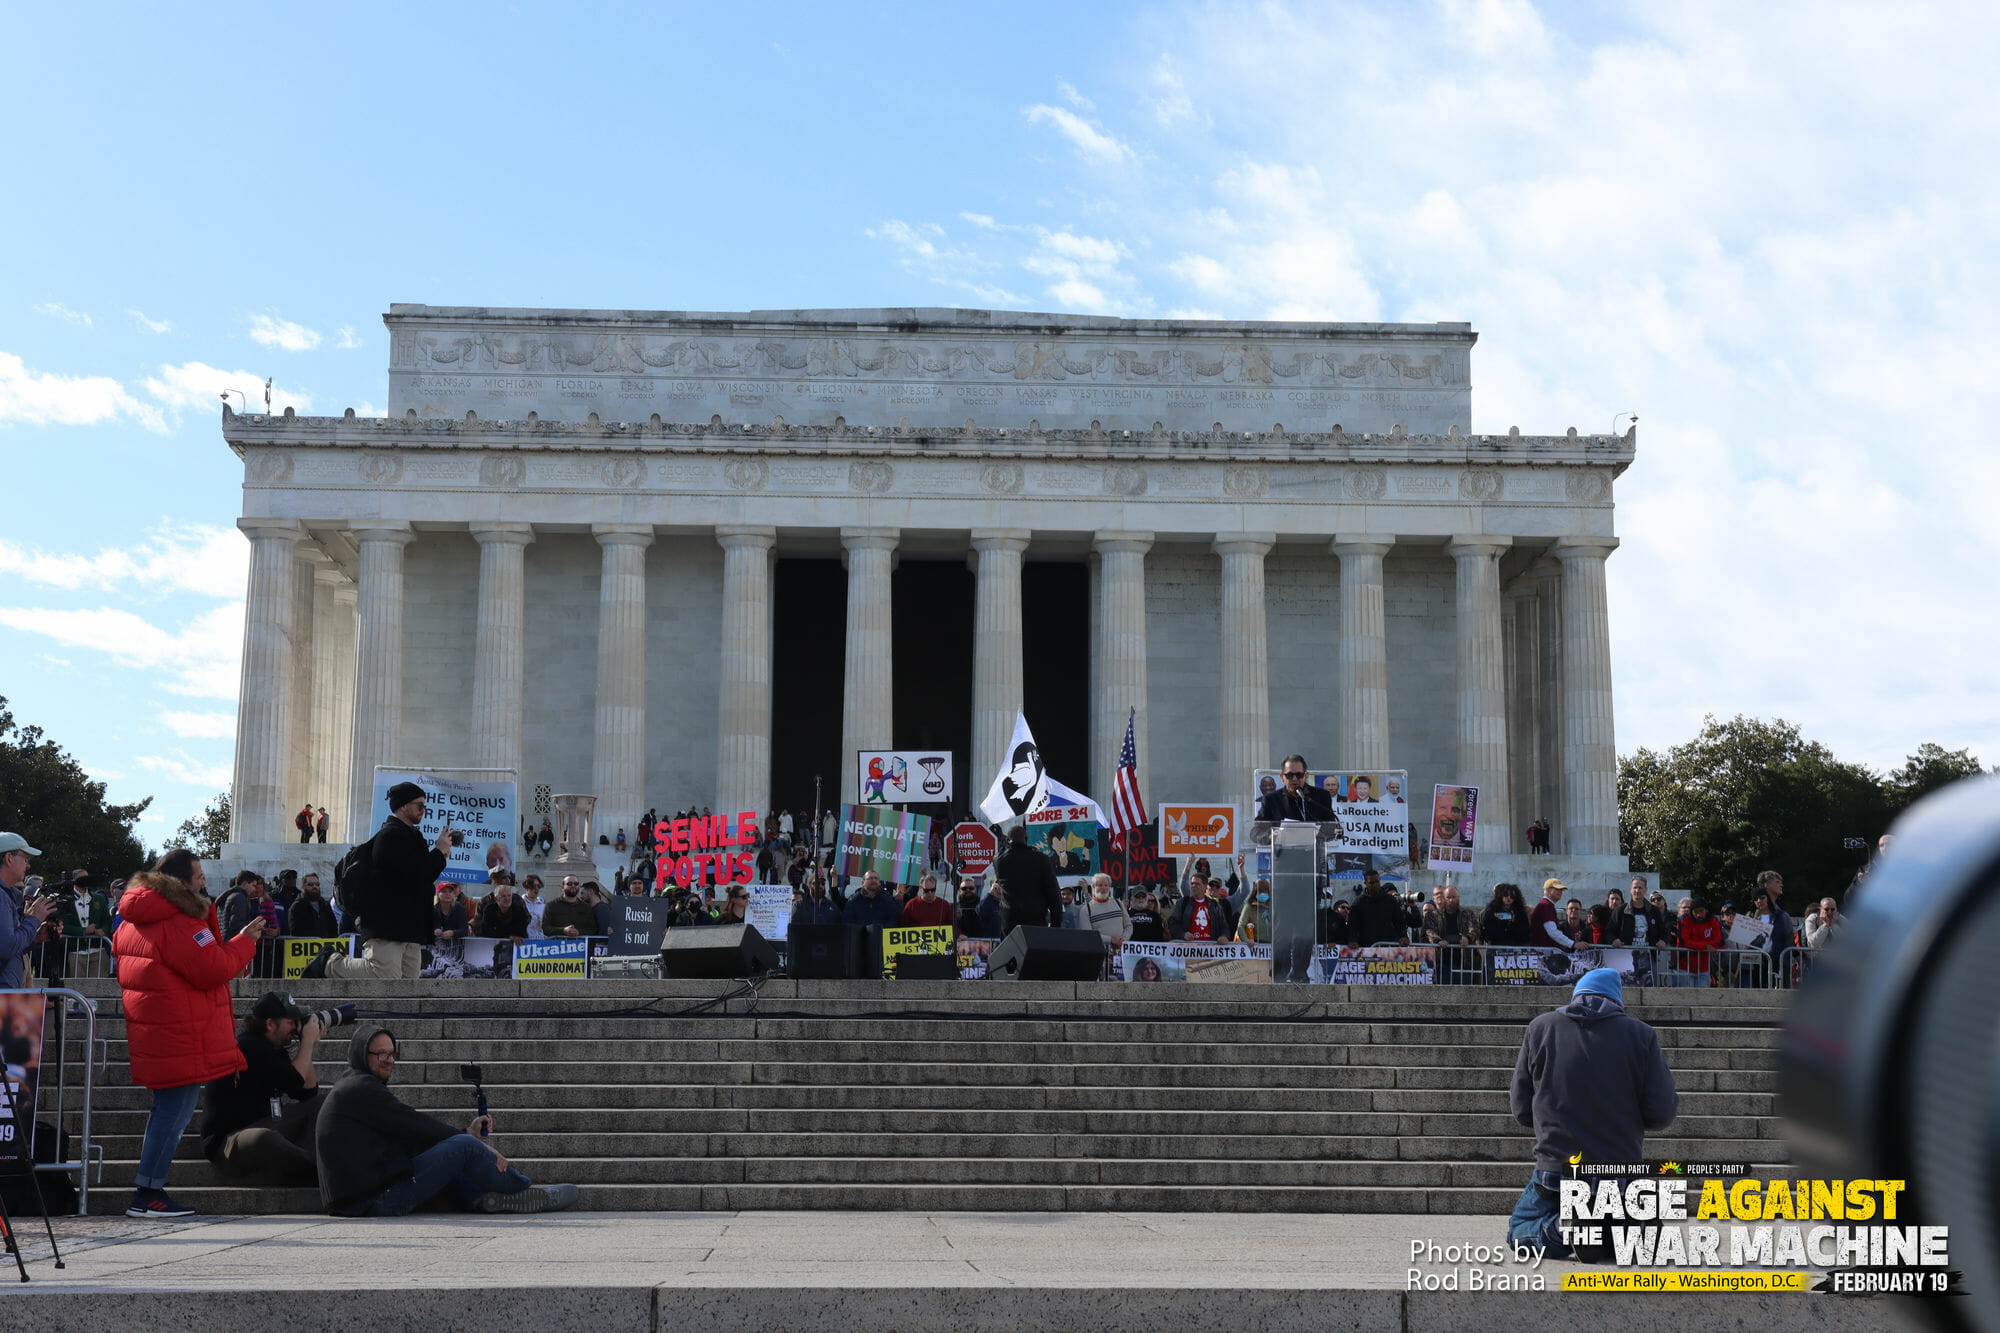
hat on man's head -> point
(1553, 883)
(403, 793)
(14, 842)
(1600, 981)
(277, 1004)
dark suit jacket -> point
(1280, 805)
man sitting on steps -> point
(380, 1158)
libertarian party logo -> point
(1711, 1226)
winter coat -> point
(1026, 885)
(367, 1137)
(174, 968)
(313, 918)
(884, 910)
(1514, 930)
(1377, 920)
(1590, 1078)
(406, 875)
(495, 924)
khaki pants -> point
(381, 960)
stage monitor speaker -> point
(1043, 953)
(927, 967)
(716, 951)
(830, 952)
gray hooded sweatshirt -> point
(1591, 1079)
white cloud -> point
(146, 322)
(347, 339)
(1169, 100)
(983, 221)
(1086, 273)
(1094, 144)
(195, 558)
(925, 251)
(271, 331)
(183, 767)
(56, 310)
(1073, 97)
(41, 399)
(199, 659)
(201, 726)
(197, 386)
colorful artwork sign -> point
(1454, 813)
(1197, 830)
(904, 777)
(1068, 837)
(894, 844)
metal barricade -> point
(57, 1015)
(1796, 961)
(1656, 966)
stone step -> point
(223, 1200)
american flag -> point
(1128, 807)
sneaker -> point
(534, 1199)
(155, 1204)
(316, 969)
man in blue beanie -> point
(1590, 1080)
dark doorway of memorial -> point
(1055, 687)
(932, 637)
(808, 672)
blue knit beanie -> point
(1600, 981)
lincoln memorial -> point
(676, 558)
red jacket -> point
(175, 968)
(1698, 939)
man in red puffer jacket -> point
(180, 1032)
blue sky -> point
(1766, 229)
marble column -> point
(1482, 688)
(1121, 674)
(1546, 575)
(269, 685)
(346, 599)
(326, 781)
(1590, 752)
(1364, 655)
(997, 671)
(1246, 667)
(618, 762)
(299, 788)
(1523, 631)
(868, 698)
(743, 706)
(378, 669)
(499, 647)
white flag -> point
(1024, 786)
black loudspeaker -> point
(927, 967)
(827, 953)
(716, 951)
(1042, 953)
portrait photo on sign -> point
(1453, 813)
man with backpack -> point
(384, 886)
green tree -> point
(47, 798)
(1743, 796)
(204, 834)
(1930, 768)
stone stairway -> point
(1030, 1096)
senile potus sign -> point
(701, 850)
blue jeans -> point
(461, 1167)
(1537, 1219)
(172, 1109)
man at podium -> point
(1296, 799)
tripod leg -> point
(13, 1243)
(48, 1223)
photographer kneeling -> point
(381, 1158)
(247, 1131)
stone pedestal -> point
(576, 837)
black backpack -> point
(354, 881)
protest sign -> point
(479, 808)
(480, 956)
(700, 850)
(300, 950)
(973, 847)
(1023, 785)
(1747, 932)
(552, 960)
(1069, 839)
(1179, 960)
(904, 941)
(904, 777)
(1370, 825)
(770, 910)
(1376, 964)
(1454, 812)
(21, 1043)
(972, 956)
(1197, 830)
(1149, 868)
(893, 844)
(638, 926)
(1516, 967)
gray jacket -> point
(1591, 1079)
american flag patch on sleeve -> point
(204, 936)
